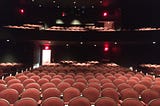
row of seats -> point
(94, 83)
(78, 101)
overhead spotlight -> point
(81, 43)
(7, 40)
(40, 5)
(59, 21)
(106, 47)
(105, 14)
(115, 43)
(63, 14)
(154, 42)
(67, 45)
(95, 45)
(21, 11)
(75, 22)
(46, 47)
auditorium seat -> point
(9, 78)
(111, 77)
(103, 81)
(129, 93)
(79, 85)
(69, 80)
(118, 82)
(91, 93)
(70, 93)
(31, 93)
(30, 74)
(42, 81)
(79, 101)
(41, 74)
(22, 78)
(53, 101)
(26, 102)
(58, 76)
(148, 95)
(56, 81)
(51, 74)
(147, 83)
(105, 101)
(68, 76)
(18, 75)
(12, 81)
(27, 81)
(123, 86)
(63, 85)
(109, 85)
(51, 92)
(139, 88)
(95, 85)
(131, 82)
(47, 85)
(47, 77)
(33, 85)
(35, 77)
(17, 86)
(154, 102)
(132, 102)
(110, 92)
(2, 81)
(11, 95)
(82, 80)
(2, 87)
(93, 80)
(4, 102)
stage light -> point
(105, 14)
(21, 11)
(63, 14)
(106, 47)
(46, 47)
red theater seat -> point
(110, 92)
(105, 101)
(154, 102)
(91, 93)
(4, 102)
(17, 86)
(51, 92)
(132, 102)
(11, 95)
(70, 93)
(26, 102)
(47, 85)
(79, 101)
(148, 95)
(53, 101)
(129, 93)
(31, 93)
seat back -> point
(26, 102)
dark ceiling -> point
(134, 13)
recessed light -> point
(67, 45)
(115, 43)
(40, 5)
(154, 42)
